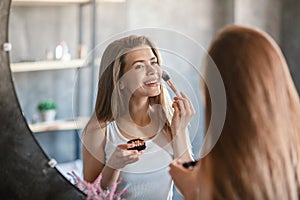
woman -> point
(132, 103)
(257, 155)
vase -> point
(48, 115)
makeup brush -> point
(166, 77)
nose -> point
(151, 70)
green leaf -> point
(48, 104)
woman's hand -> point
(183, 113)
(185, 180)
(122, 157)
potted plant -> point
(47, 109)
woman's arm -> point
(111, 171)
(93, 155)
(182, 146)
(119, 159)
(93, 143)
(183, 113)
(92, 167)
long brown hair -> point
(112, 69)
(257, 155)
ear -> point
(121, 85)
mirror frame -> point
(24, 169)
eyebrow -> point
(136, 61)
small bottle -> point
(82, 51)
(62, 51)
(58, 52)
(65, 51)
(48, 54)
(34, 118)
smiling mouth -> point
(152, 83)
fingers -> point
(176, 163)
(184, 105)
(125, 146)
(130, 156)
(131, 159)
(181, 105)
(176, 167)
(183, 113)
(176, 110)
(122, 157)
(188, 103)
(124, 153)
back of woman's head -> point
(256, 156)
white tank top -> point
(148, 178)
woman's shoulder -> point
(94, 125)
(93, 135)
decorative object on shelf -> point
(47, 109)
(82, 51)
(7, 46)
(94, 190)
(62, 52)
(49, 54)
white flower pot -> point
(48, 116)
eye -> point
(154, 63)
(140, 66)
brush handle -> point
(173, 87)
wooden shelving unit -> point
(59, 125)
(47, 65)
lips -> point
(152, 83)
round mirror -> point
(53, 43)
(27, 172)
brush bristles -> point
(165, 76)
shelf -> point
(47, 65)
(59, 125)
(42, 2)
(59, 2)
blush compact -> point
(139, 144)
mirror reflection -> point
(57, 49)
(49, 47)
(137, 129)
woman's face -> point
(142, 73)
